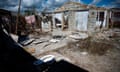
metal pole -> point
(18, 14)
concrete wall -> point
(92, 20)
(71, 21)
(78, 20)
(81, 19)
(94, 23)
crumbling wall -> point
(71, 21)
(98, 20)
(92, 20)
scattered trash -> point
(107, 35)
(54, 40)
(44, 62)
(38, 41)
(46, 45)
(27, 42)
(84, 53)
(58, 37)
(101, 36)
(14, 37)
(79, 36)
(49, 59)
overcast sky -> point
(52, 4)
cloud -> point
(38, 4)
(5, 3)
(30, 3)
(94, 2)
(118, 1)
(52, 4)
(15, 8)
(9, 4)
(112, 4)
(80, 1)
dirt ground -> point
(98, 57)
(93, 54)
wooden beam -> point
(63, 22)
(18, 14)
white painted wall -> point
(81, 20)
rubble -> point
(101, 36)
(14, 37)
(84, 53)
(48, 58)
(78, 36)
(38, 41)
(27, 42)
(107, 35)
(54, 40)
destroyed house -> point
(74, 16)
(115, 17)
(81, 17)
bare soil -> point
(103, 56)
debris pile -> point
(78, 35)
(107, 35)
(56, 38)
